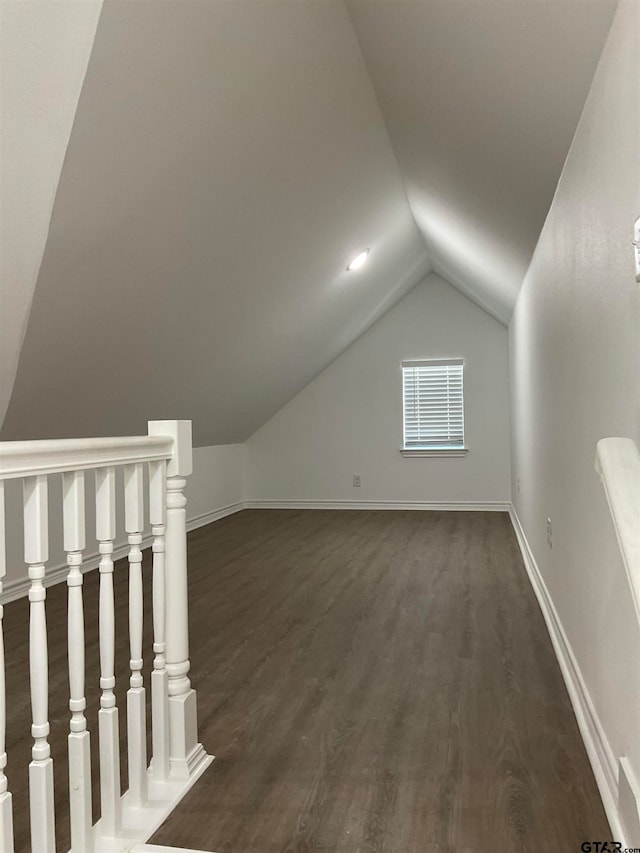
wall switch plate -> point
(549, 533)
(636, 247)
(518, 483)
(357, 480)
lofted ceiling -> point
(44, 52)
(228, 159)
(481, 98)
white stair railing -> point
(178, 759)
(108, 721)
(618, 463)
(6, 812)
(159, 676)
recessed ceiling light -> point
(358, 261)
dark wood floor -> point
(369, 681)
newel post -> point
(185, 753)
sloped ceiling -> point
(229, 158)
(481, 98)
(44, 52)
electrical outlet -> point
(549, 533)
(636, 247)
(357, 480)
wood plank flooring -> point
(369, 681)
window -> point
(433, 407)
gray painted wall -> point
(575, 368)
(349, 419)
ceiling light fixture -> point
(358, 261)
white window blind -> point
(433, 404)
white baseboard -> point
(601, 755)
(19, 587)
(629, 801)
(155, 848)
(215, 515)
(480, 506)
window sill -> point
(444, 452)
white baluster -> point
(36, 554)
(159, 677)
(185, 752)
(108, 722)
(136, 712)
(79, 738)
(6, 811)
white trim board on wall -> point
(155, 848)
(451, 506)
(348, 421)
(19, 588)
(601, 756)
(57, 573)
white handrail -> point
(52, 456)
(178, 757)
(618, 463)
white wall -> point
(216, 484)
(575, 378)
(45, 49)
(213, 490)
(349, 419)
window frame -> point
(433, 451)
